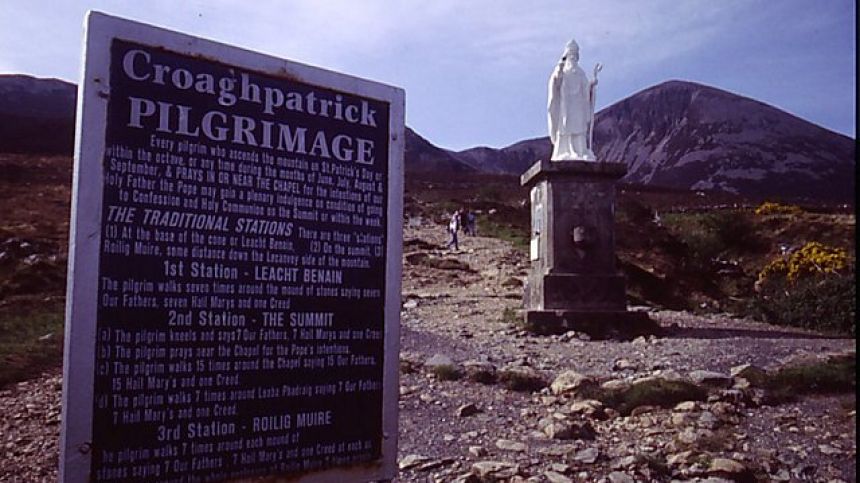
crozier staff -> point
(570, 108)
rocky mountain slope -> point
(690, 136)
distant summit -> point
(686, 135)
(676, 134)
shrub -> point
(770, 208)
(481, 373)
(521, 380)
(733, 230)
(812, 259)
(822, 303)
(708, 236)
(813, 288)
(447, 372)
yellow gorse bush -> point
(813, 258)
(770, 208)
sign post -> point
(234, 271)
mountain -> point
(514, 159)
(676, 134)
(36, 115)
(691, 136)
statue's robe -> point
(568, 106)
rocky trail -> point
(455, 308)
(459, 319)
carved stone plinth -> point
(574, 283)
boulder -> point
(554, 477)
(565, 430)
(587, 455)
(508, 445)
(754, 374)
(571, 382)
(616, 385)
(712, 378)
(438, 360)
(686, 406)
(467, 410)
(411, 461)
(490, 471)
(591, 408)
(731, 469)
(619, 477)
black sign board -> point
(234, 277)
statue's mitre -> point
(572, 45)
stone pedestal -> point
(574, 283)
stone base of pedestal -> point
(573, 291)
(598, 325)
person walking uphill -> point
(471, 223)
(453, 228)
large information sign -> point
(233, 305)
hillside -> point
(421, 156)
(36, 115)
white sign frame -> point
(85, 229)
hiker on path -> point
(453, 228)
(471, 226)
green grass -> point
(22, 353)
(511, 317)
(713, 234)
(516, 235)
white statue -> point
(571, 108)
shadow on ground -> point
(718, 333)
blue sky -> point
(475, 72)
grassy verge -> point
(29, 343)
(516, 235)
